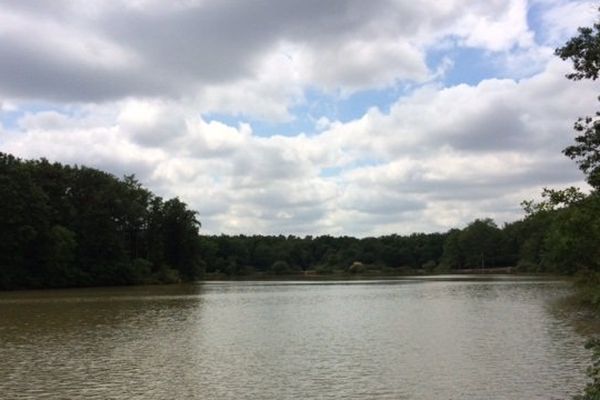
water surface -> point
(415, 338)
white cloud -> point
(127, 85)
(366, 64)
(238, 58)
(440, 157)
(151, 122)
(495, 26)
(274, 87)
(560, 22)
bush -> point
(324, 269)
(166, 274)
(528, 266)
(357, 267)
(429, 266)
(441, 269)
(592, 390)
(280, 267)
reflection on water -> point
(435, 338)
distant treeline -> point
(559, 235)
(64, 226)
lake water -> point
(421, 338)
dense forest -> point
(558, 235)
(549, 239)
(65, 226)
(68, 226)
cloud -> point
(560, 22)
(249, 58)
(506, 29)
(138, 87)
(151, 123)
(440, 157)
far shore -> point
(336, 275)
(345, 275)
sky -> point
(302, 117)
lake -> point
(412, 338)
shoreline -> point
(312, 276)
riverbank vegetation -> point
(578, 226)
(65, 226)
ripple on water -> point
(405, 339)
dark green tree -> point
(64, 226)
(584, 52)
(181, 244)
(453, 256)
(477, 245)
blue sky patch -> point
(10, 118)
(470, 65)
(318, 104)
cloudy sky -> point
(343, 117)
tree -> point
(280, 267)
(64, 226)
(553, 200)
(584, 52)
(571, 242)
(480, 243)
(453, 257)
(181, 241)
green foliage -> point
(588, 290)
(584, 52)
(181, 245)
(528, 267)
(480, 244)
(586, 150)
(280, 267)
(553, 200)
(166, 274)
(592, 390)
(453, 256)
(140, 270)
(324, 269)
(357, 268)
(60, 257)
(75, 226)
(263, 255)
(561, 233)
(572, 243)
(237, 255)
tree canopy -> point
(76, 226)
(584, 52)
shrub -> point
(357, 267)
(280, 267)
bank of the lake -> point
(374, 274)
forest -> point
(66, 226)
(69, 226)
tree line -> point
(65, 226)
(554, 237)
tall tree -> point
(66, 226)
(584, 52)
